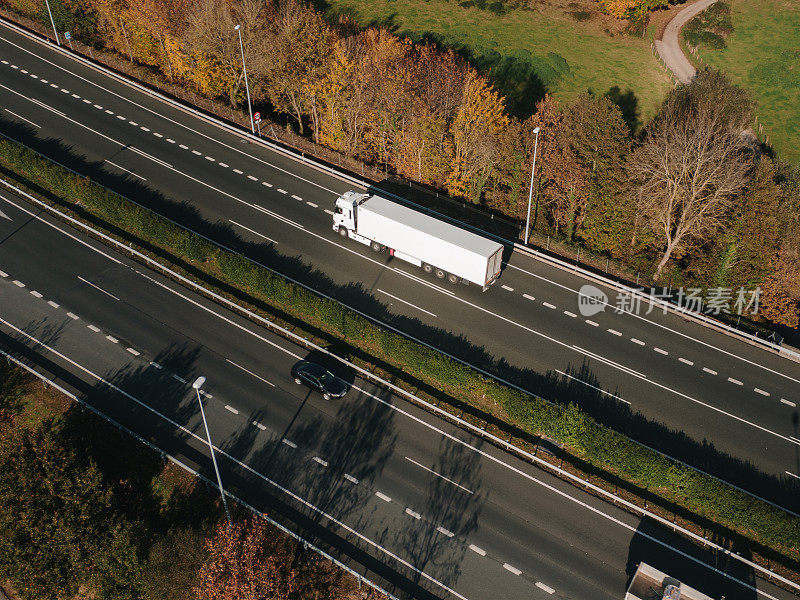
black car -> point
(319, 378)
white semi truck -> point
(435, 246)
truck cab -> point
(345, 213)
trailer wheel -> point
(452, 278)
(440, 274)
(427, 268)
(343, 232)
(376, 246)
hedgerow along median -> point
(607, 451)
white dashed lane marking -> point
(281, 191)
(251, 178)
(709, 371)
(548, 305)
(170, 140)
(660, 351)
(788, 402)
(179, 378)
(97, 106)
(514, 570)
(18, 283)
(112, 339)
(133, 351)
(383, 496)
(53, 304)
(508, 289)
(592, 323)
(477, 550)
(411, 513)
(183, 146)
(266, 183)
(296, 197)
(734, 381)
(351, 479)
(528, 297)
(143, 128)
(319, 461)
(444, 531)
(570, 314)
(760, 391)
(312, 205)
(238, 171)
(229, 408)
(224, 165)
(158, 135)
(210, 159)
(545, 588)
(289, 443)
(259, 425)
(35, 294)
(638, 342)
(94, 328)
(614, 332)
(686, 361)
(3, 274)
(72, 316)
(196, 153)
(121, 117)
(156, 365)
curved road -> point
(669, 47)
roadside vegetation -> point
(756, 45)
(424, 112)
(88, 512)
(616, 462)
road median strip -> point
(608, 455)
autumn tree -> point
(211, 31)
(597, 133)
(477, 132)
(693, 163)
(299, 54)
(254, 560)
(59, 528)
(164, 20)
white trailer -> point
(435, 246)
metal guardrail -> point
(368, 376)
(359, 577)
(236, 130)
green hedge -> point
(599, 446)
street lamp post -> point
(52, 22)
(246, 85)
(530, 192)
(198, 383)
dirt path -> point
(669, 47)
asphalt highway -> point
(707, 397)
(430, 510)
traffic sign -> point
(257, 117)
(67, 35)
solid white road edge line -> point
(434, 409)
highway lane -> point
(692, 379)
(440, 508)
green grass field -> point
(560, 50)
(763, 55)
